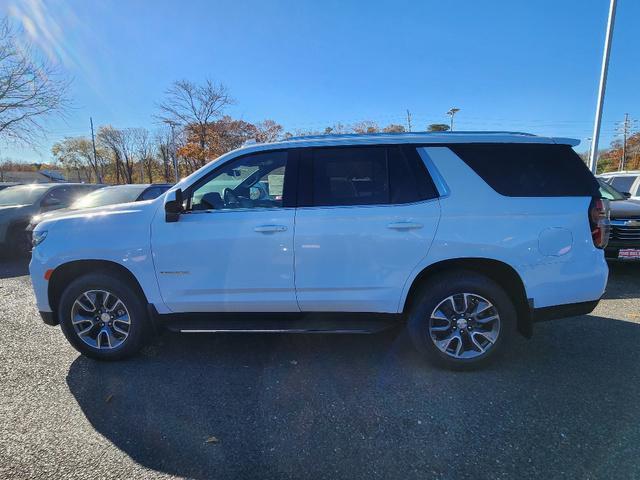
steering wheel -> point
(229, 196)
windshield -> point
(610, 193)
(21, 195)
(109, 196)
(623, 183)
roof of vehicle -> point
(414, 137)
(43, 185)
(620, 174)
(383, 139)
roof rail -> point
(385, 134)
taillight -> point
(599, 222)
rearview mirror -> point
(173, 206)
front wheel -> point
(461, 320)
(103, 316)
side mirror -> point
(626, 194)
(173, 206)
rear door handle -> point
(404, 226)
(270, 228)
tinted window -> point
(530, 170)
(623, 184)
(252, 181)
(408, 177)
(67, 195)
(350, 176)
(152, 192)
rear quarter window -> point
(530, 170)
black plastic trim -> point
(330, 322)
(563, 311)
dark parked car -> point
(624, 239)
(4, 185)
(107, 196)
(19, 203)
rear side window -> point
(369, 176)
(350, 176)
(530, 170)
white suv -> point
(466, 237)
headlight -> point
(38, 237)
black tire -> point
(440, 288)
(120, 287)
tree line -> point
(195, 130)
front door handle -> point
(270, 228)
(405, 226)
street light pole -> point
(452, 113)
(593, 155)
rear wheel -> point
(103, 316)
(461, 320)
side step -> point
(278, 322)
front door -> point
(232, 249)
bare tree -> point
(144, 151)
(365, 126)
(31, 89)
(268, 131)
(164, 144)
(121, 143)
(76, 153)
(195, 106)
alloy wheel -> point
(464, 326)
(100, 319)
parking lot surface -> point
(561, 405)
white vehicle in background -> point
(626, 182)
(464, 237)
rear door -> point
(366, 217)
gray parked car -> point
(624, 237)
(106, 196)
(19, 203)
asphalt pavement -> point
(564, 404)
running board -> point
(350, 323)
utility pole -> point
(452, 112)
(408, 120)
(173, 148)
(625, 132)
(593, 157)
(95, 157)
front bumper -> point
(614, 246)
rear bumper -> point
(563, 311)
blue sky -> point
(516, 65)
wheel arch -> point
(67, 272)
(503, 274)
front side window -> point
(252, 181)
